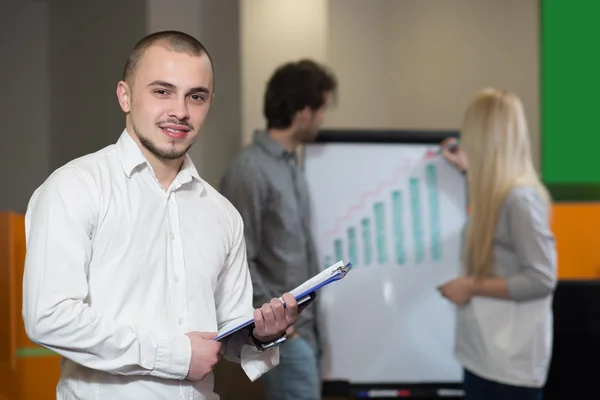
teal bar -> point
(352, 246)
(339, 254)
(366, 238)
(416, 218)
(434, 212)
(380, 232)
(398, 229)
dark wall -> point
(89, 44)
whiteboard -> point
(397, 215)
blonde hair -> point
(495, 139)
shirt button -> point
(172, 236)
(176, 279)
(180, 321)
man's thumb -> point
(208, 335)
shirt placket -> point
(300, 201)
(178, 271)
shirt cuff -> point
(173, 358)
(255, 363)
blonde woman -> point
(504, 297)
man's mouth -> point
(175, 131)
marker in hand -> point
(452, 147)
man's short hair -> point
(173, 40)
(294, 86)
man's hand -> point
(459, 290)
(291, 333)
(205, 354)
(273, 319)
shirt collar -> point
(132, 157)
(188, 170)
(130, 154)
(270, 146)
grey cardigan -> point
(524, 246)
(510, 341)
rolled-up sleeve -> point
(234, 306)
(534, 244)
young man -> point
(133, 261)
(268, 188)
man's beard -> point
(307, 135)
(161, 154)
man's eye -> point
(197, 97)
(161, 92)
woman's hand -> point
(459, 290)
(454, 154)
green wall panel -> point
(570, 62)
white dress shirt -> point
(118, 270)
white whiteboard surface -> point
(386, 322)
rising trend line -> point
(366, 195)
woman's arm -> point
(491, 287)
(534, 245)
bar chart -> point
(376, 233)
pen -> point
(452, 147)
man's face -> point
(169, 101)
(310, 123)
(314, 125)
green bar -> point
(33, 352)
(415, 203)
(352, 246)
(367, 245)
(434, 215)
(337, 245)
(380, 232)
(398, 227)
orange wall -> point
(577, 230)
(34, 371)
(8, 337)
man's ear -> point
(303, 115)
(124, 96)
(306, 112)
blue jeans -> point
(297, 376)
(478, 388)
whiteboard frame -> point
(415, 390)
(384, 136)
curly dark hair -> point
(294, 86)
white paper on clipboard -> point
(302, 292)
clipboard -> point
(303, 293)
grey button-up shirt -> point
(268, 188)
